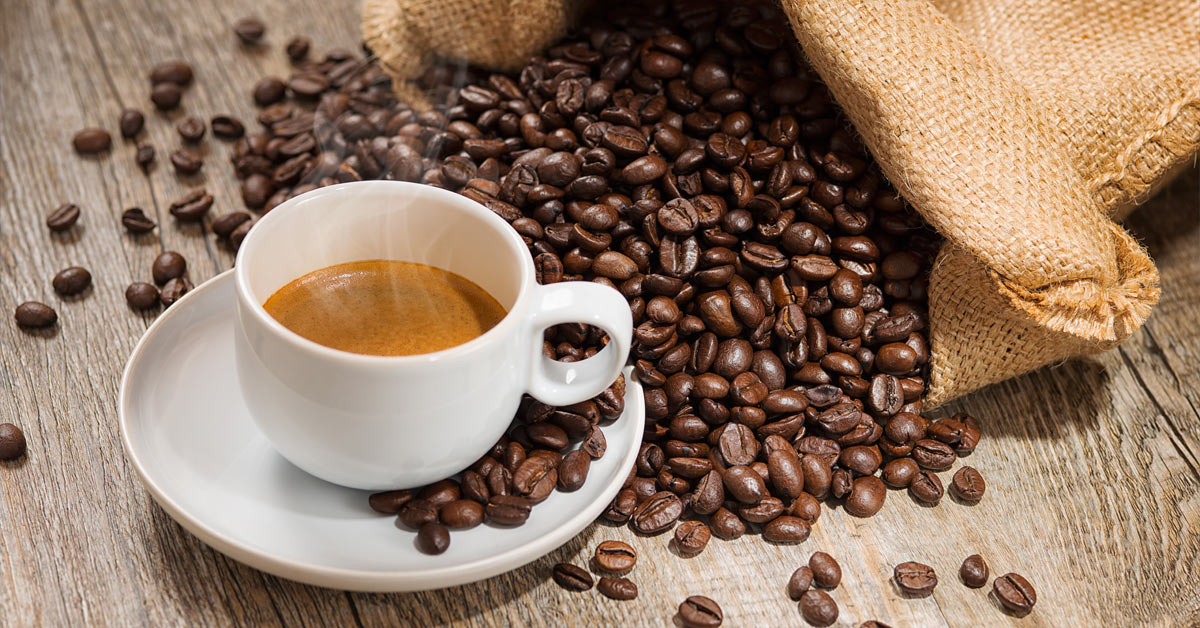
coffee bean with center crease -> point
(186, 161)
(136, 221)
(974, 571)
(571, 577)
(71, 281)
(508, 510)
(191, 206)
(91, 141)
(691, 537)
(615, 556)
(968, 485)
(131, 123)
(191, 129)
(227, 127)
(388, 502)
(33, 314)
(698, 611)
(617, 588)
(818, 608)
(933, 455)
(926, 487)
(63, 217)
(12, 442)
(914, 578)
(166, 96)
(1015, 593)
(249, 30)
(224, 226)
(433, 538)
(174, 290)
(657, 513)
(141, 296)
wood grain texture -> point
(1093, 465)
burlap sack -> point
(1016, 128)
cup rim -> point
(457, 202)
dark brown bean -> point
(1015, 593)
(818, 608)
(63, 217)
(433, 538)
(974, 571)
(913, 578)
(617, 588)
(968, 485)
(572, 577)
(33, 315)
(141, 296)
(799, 582)
(387, 502)
(698, 611)
(12, 442)
(71, 281)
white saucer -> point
(191, 439)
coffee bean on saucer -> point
(433, 538)
(461, 514)
(33, 314)
(174, 290)
(168, 265)
(698, 611)
(166, 96)
(968, 485)
(227, 127)
(131, 123)
(617, 588)
(974, 571)
(191, 129)
(71, 281)
(297, 48)
(92, 141)
(141, 296)
(386, 502)
(1015, 593)
(12, 442)
(800, 581)
(249, 29)
(144, 156)
(192, 206)
(691, 537)
(827, 573)
(571, 577)
(63, 217)
(615, 556)
(915, 578)
(177, 72)
(508, 510)
(136, 221)
(186, 161)
(818, 608)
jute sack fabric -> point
(1017, 128)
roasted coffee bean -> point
(873, 624)
(227, 127)
(144, 156)
(899, 473)
(191, 129)
(786, 529)
(818, 608)
(974, 571)
(1015, 593)
(926, 488)
(866, 497)
(417, 512)
(572, 577)
(387, 502)
(744, 484)
(268, 91)
(432, 538)
(691, 537)
(615, 556)
(33, 314)
(914, 578)
(71, 281)
(223, 226)
(617, 588)
(657, 513)
(131, 123)
(508, 510)
(12, 442)
(136, 222)
(239, 233)
(698, 611)
(166, 96)
(249, 30)
(726, 524)
(968, 485)
(799, 583)
(826, 572)
(141, 296)
(933, 455)
(63, 217)
(168, 265)
(573, 470)
(177, 72)
(92, 141)
(174, 290)
(186, 162)
(297, 48)
(461, 514)
(192, 206)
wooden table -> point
(1093, 465)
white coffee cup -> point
(383, 422)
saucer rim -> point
(338, 577)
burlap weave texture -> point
(1016, 127)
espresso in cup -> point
(385, 307)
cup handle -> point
(563, 383)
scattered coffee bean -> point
(433, 538)
(166, 96)
(250, 30)
(926, 487)
(63, 217)
(617, 588)
(177, 72)
(914, 578)
(571, 577)
(974, 571)
(691, 537)
(131, 123)
(92, 141)
(192, 206)
(136, 221)
(144, 156)
(269, 91)
(1015, 593)
(873, 624)
(174, 290)
(186, 162)
(818, 608)
(698, 611)
(141, 296)
(168, 265)
(387, 502)
(227, 127)
(800, 582)
(826, 571)
(33, 314)
(223, 226)
(297, 48)
(71, 281)
(191, 129)
(12, 442)
(615, 556)
(968, 485)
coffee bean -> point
(974, 571)
(227, 127)
(873, 624)
(799, 583)
(615, 556)
(71, 281)
(866, 497)
(461, 514)
(250, 30)
(92, 141)
(899, 473)
(826, 571)
(817, 608)
(657, 513)
(144, 156)
(191, 129)
(141, 296)
(186, 162)
(33, 314)
(131, 123)
(136, 222)
(691, 537)
(177, 72)
(168, 265)
(192, 206)
(223, 226)
(387, 502)
(174, 290)
(297, 48)
(698, 611)
(1015, 593)
(914, 578)
(166, 95)
(12, 442)
(269, 91)
(63, 217)
(308, 86)
(926, 488)
(433, 538)
(617, 588)
(239, 233)
(621, 507)
(786, 529)
(968, 485)
(933, 455)
(417, 512)
(571, 577)
(508, 510)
